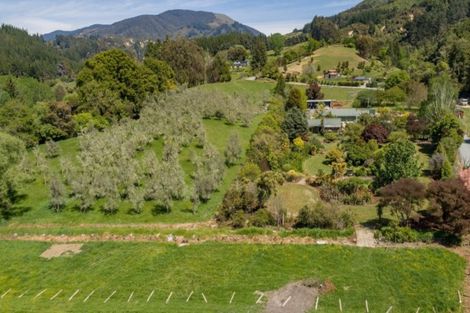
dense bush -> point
(323, 216)
(398, 234)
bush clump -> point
(323, 216)
(399, 234)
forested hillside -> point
(25, 55)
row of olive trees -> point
(114, 165)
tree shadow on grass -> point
(159, 209)
(376, 223)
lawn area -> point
(294, 197)
(257, 90)
(36, 195)
(345, 96)
(315, 162)
(402, 278)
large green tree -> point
(295, 123)
(114, 85)
(398, 161)
(259, 57)
(184, 56)
(218, 70)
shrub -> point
(322, 216)
(334, 156)
(262, 218)
(250, 171)
(375, 132)
(314, 145)
(402, 234)
(293, 176)
(330, 136)
(52, 149)
(238, 219)
(299, 144)
(356, 191)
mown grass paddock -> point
(403, 278)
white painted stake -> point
(231, 299)
(23, 294)
(390, 309)
(110, 296)
(460, 297)
(259, 299)
(89, 295)
(367, 306)
(150, 295)
(341, 305)
(169, 297)
(205, 300)
(56, 295)
(74, 294)
(40, 293)
(189, 297)
(316, 303)
(287, 300)
(7, 292)
(130, 297)
(417, 311)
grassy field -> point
(345, 96)
(36, 199)
(328, 58)
(404, 279)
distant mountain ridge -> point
(172, 23)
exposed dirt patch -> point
(297, 297)
(365, 237)
(185, 226)
(60, 250)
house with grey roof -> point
(320, 124)
(336, 119)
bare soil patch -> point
(297, 297)
(59, 250)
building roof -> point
(327, 123)
(361, 78)
(319, 101)
(348, 112)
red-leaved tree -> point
(377, 132)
